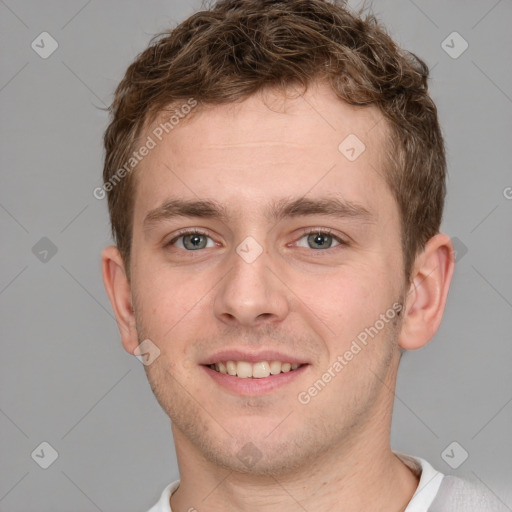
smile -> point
(259, 370)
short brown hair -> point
(236, 48)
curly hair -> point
(236, 48)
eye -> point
(320, 239)
(191, 240)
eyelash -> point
(304, 232)
(183, 232)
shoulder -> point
(464, 495)
(437, 492)
(164, 504)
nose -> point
(251, 293)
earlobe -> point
(119, 292)
(426, 299)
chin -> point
(261, 451)
(272, 460)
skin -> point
(297, 298)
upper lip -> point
(252, 357)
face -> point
(288, 267)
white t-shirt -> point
(435, 492)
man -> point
(276, 176)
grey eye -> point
(193, 241)
(319, 240)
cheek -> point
(344, 303)
(170, 302)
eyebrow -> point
(278, 210)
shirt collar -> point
(428, 486)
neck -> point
(358, 472)
(347, 479)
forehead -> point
(268, 146)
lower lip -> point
(252, 386)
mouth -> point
(257, 370)
(254, 374)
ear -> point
(426, 299)
(119, 292)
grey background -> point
(65, 378)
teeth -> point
(231, 366)
(243, 369)
(275, 367)
(259, 370)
